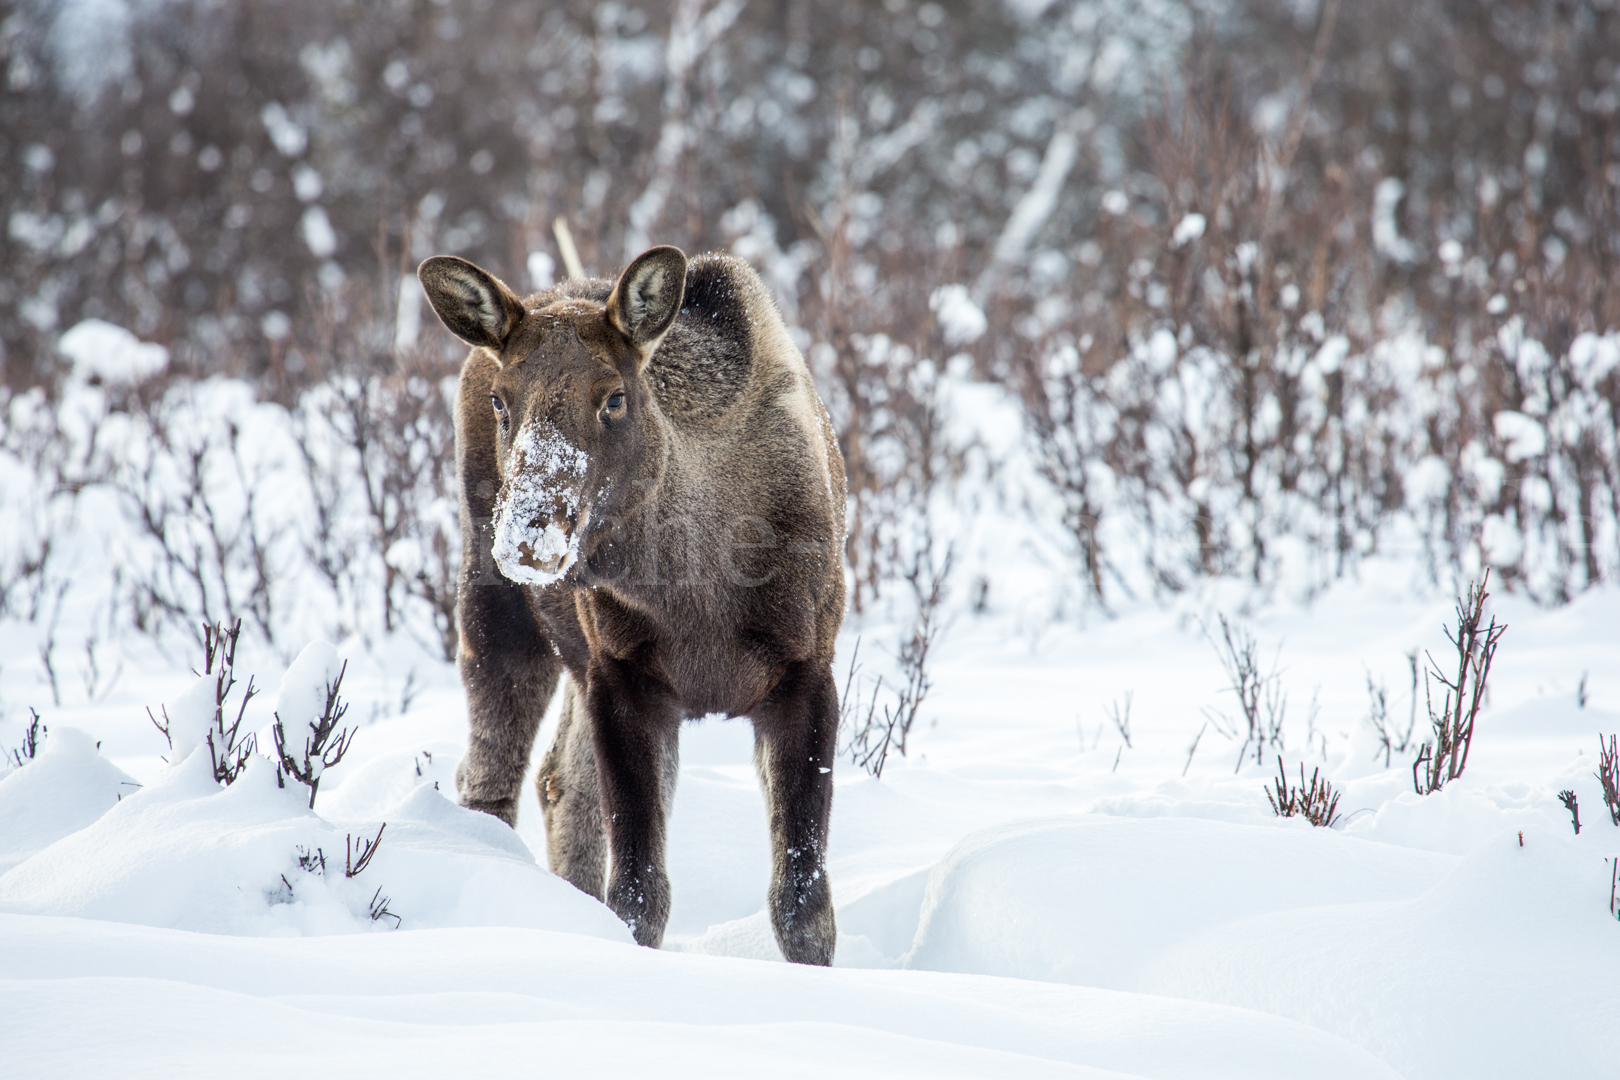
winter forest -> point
(1227, 391)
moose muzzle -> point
(540, 511)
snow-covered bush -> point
(1315, 800)
(203, 714)
(309, 709)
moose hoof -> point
(805, 929)
(644, 910)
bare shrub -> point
(195, 496)
(869, 736)
(1262, 701)
(866, 737)
(378, 443)
(1315, 801)
(325, 743)
(1391, 739)
(1608, 776)
(1445, 756)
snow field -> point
(1023, 895)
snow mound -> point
(1094, 900)
(99, 350)
(475, 1001)
(67, 786)
(187, 854)
(1515, 940)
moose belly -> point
(714, 681)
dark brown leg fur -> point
(795, 737)
(510, 672)
(634, 728)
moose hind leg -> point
(576, 845)
(795, 737)
(634, 727)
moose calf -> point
(652, 499)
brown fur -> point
(707, 579)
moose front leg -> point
(635, 727)
(795, 737)
(510, 672)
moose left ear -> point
(644, 303)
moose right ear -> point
(473, 304)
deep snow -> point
(1023, 895)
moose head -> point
(577, 431)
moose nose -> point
(535, 536)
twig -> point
(1193, 749)
(379, 908)
(352, 866)
(1608, 775)
(1573, 805)
(1122, 720)
(30, 744)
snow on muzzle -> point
(540, 511)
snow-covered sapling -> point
(1573, 805)
(1444, 757)
(309, 704)
(30, 744)
(1608, 775)
(205, 706)
(1315, 801)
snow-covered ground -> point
(1033, 890)
(1022, 895)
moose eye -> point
(614, 408)
(500, 406)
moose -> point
(652, 512)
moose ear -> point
(647, 298)
(473, 304)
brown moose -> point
(652, 499)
